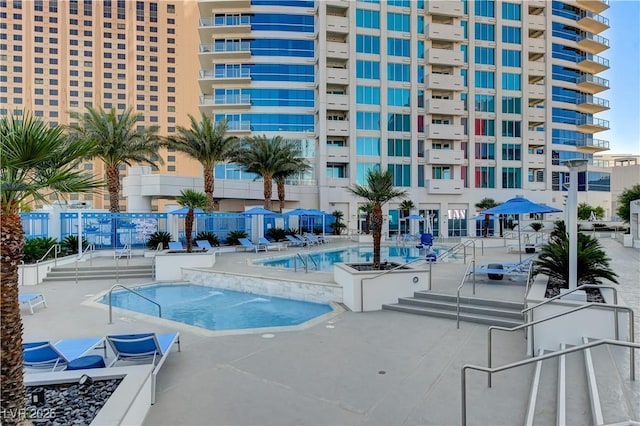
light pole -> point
(575, 166)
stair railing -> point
(295, 263)
(467, 272)
(463, 414)
(460, 246)
(134, 292)
(529, 283)
(57, 248)
(386, 272)
(614, 308)
(91, 248)
(529, 317)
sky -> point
(624, 77)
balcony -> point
(444, 8)
(535, 138)
(229, 24)
(210, 7)
(536, 161)
(225, 101)
(445, 131)
(444, 82)
(592, 84)
(337, 127)
(338, 153)
(444, 57)
(337, 50)
(536, 45)
(226, 50)
(537, 23)
(337, 4)
(536, 116)
(444, 156)
(595, 6)
(593, 145)
(207, 78)
(536, 91)
(593, 64)
(337, 25)
(337, 76)
(444, 107)
(444, 186)
(537, 68)
(592, 43)
(592, 125)
(593, 23)
(445, 32)
(338, 102)
(239, 127)
(592, 104)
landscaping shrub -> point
(537, 226)
(70, 245)
(276, 234)
(35, 248)
(209, 236)
(157, 238)
(232, 237)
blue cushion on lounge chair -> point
(47, 355)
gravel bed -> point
(69, 404)
(554, 286)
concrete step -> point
(465, 306)
(475, 300)
(545, 411)
(59, 269)
(451, 314)
(87, 272)
(142, 275)
(578, 404)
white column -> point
(575, 166)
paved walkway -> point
(377, 368)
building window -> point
(485, 55)
(367, 18)
(367, 44)
(485, 32)
(485, 8)
(511, 11)
(485, 177)
(511, 177)
(484, 127)
(511, 129)
(485, 103)
(401, 174)
(511, 105)
(511, 152)
(511, 81)
(369, 146)
(511, 35)
(368, 70)
(485, 79)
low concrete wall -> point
(383, 289)
(289, 289)
(170, 266)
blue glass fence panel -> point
(35, 225)
(219, 224)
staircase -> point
(86, 273)
(481, 311)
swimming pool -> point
(325, 259)
(217, 309)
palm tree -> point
(267, 158)
(292, 165)
(406, 206)
(208, 144)
(192, 200)
(378, 191)
(337, 225)
(36, 161)
(593, 264)
(117, 141)
(367, 209)
(485, 204)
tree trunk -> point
(208, 188)
(113, 183)
(281, 193)
(268, 191)
(188, 228)
(377, 235)
(367, 221)
(501, 221)
(485, 231)
(11, 363)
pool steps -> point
(86, 273)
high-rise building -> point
(58, 56)
(460, 100)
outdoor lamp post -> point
(575, 166)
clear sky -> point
(624, 77)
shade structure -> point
(185, 210)
(307, 212)
(520, 206)
(258, 232)
(259, 211)
(295, 212)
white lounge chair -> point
(250, 246)
(269, 245)
(144, 347)
(32, 300)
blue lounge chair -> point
(250, 246)
(314, 238)
(32, 300)
(175, 245)
(144, 347)
(306, 240)
(268, 244)
(204, 244)
(45, 355)
(295, 241)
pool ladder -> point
(134, 292)
(305, 261)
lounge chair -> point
(306, 240)
(314, 238)
(295, 241)
(497, 270)
(144, 347)
(45, 355)
(175, 245)
(32, 300)
(269, 245)
(204, 245)
(250, 246)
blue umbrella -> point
(185, 210)
(520, 206)
(296, 212)
(258, 211)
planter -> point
(369, 290)
(169, 265)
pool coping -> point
(93, 301)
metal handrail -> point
(91, 248)
(570, 311)
(386, 272)
(463, 245)
(56, 249)
(295, 262)
(529, 282)
(464, 278)
(134, 292)
(313, 260)
(490, 371)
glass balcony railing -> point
(242, 126)
(241, 99)
(595, 58)
(595, 38)
(226, 73)
(599, 18)
(588, 78)
(594, 143)
(229, 46)
(593, 121)
(226, 21)
(589, 99)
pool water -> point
(326, 259)
(217, 309)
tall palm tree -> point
(36, 161)
(192, 200)
(292, 164)
(208, 144)
(485, 204)
(406, 206)
(116, 141)
(592, 266)
(265, 157)
(378, 191)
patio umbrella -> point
(185, 210)
(316, 212)
(520, 206)
(258, 211)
